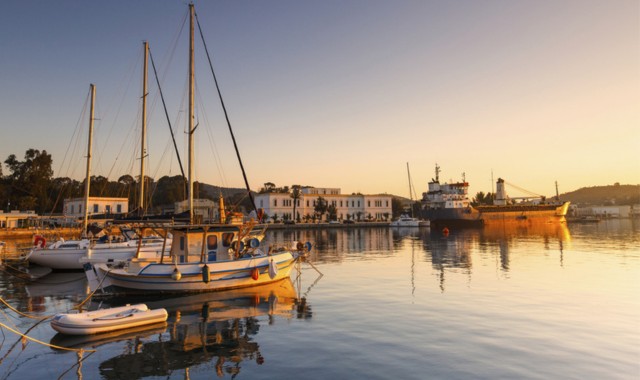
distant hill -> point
(213, 191)
(605, 195)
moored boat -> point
(448, 205)
(202, 258)
(107, 320)
(405, 221)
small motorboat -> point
(107, 320)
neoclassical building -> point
(349, 207)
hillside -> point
(604, 195)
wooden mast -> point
(85, 221)
(144, 127)
(191, 113)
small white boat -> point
(405, 221)
(106, 320)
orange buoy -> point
(255, 273)
(445, 231)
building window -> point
(275, 203)
(95, 208)
(119, 208)
(387, 203)
(368, 203)
(107, 209)
(340, 203)
(307, 203)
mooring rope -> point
(21, 313)
(44, 343)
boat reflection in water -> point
(208, 329)
(452, 250)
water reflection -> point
(454, 250)
(337, 244)
(217, 330)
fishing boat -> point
(107, 320)
(202, 257)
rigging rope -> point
(235, 145)
(166, 113)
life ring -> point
(39, 241)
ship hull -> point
(523, 214)
(494, 215)
(453, 217)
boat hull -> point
(73, 259)
(162, 278)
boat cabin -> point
(214, 243)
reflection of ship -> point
(448, 205)
(207, 329)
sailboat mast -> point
(85, 221)
(191, 113)
(144, 126)
(409, 174)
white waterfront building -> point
(97, 205)
(348, 206)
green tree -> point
(332, 210)
(321, 206)
(482, 199)
(397, 207)
(29, 180)
(168, 189)
(296, 194)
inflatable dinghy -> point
(106, 320)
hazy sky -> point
(335, 93)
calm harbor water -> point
(555, 302)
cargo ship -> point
(448, 205)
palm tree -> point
(295, 195)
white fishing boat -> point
(202, 258)
(107, 320)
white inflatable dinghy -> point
(105, 320)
